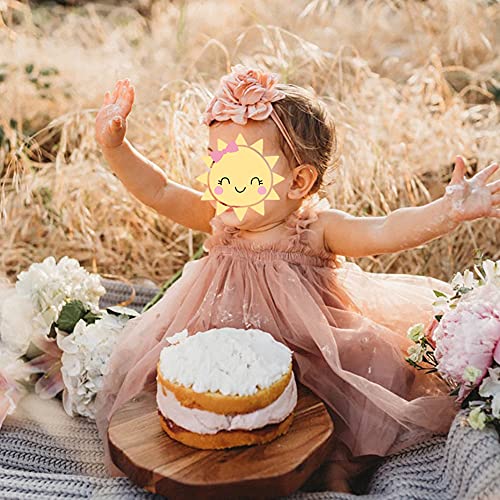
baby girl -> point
(281, 268)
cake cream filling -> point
(207, 422)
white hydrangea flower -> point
(40, 294)
(85, 357)
(16, 321)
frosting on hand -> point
(470, 199)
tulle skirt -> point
(346, 327)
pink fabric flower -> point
(244, 94)
(469, 336)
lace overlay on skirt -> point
(347, 328)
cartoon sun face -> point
(240, 177)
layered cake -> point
(225, 387)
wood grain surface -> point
(143, 451)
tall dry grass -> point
(410, 83)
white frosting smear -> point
(229, 360)
(206, 422)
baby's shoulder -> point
(331, 216)
(329, 221)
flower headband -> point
(248, 94)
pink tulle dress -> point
(347, 329)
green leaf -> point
(412, 363)
(438, 294)
(91, 317)
(71, 313)
(473, 396)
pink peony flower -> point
(244, 94)
(468, 338)
(12, 372)
(9, 396)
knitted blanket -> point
(45, 454)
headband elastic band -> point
(285, 134)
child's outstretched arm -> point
(410, 227)
(145, 180)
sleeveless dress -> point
(347, 329)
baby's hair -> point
(311, 128)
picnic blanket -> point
(45, 454)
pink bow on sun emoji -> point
(231, 147)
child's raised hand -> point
(473, 198)
(111, 120)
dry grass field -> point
(410, 83)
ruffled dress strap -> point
(299, 222)
(221, 234)
(297, 242)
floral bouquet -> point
(462, 343)
(54, 336)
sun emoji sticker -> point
(240, 177)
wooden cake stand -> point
(143, 451)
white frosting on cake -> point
(228, 360)
(206, 422)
